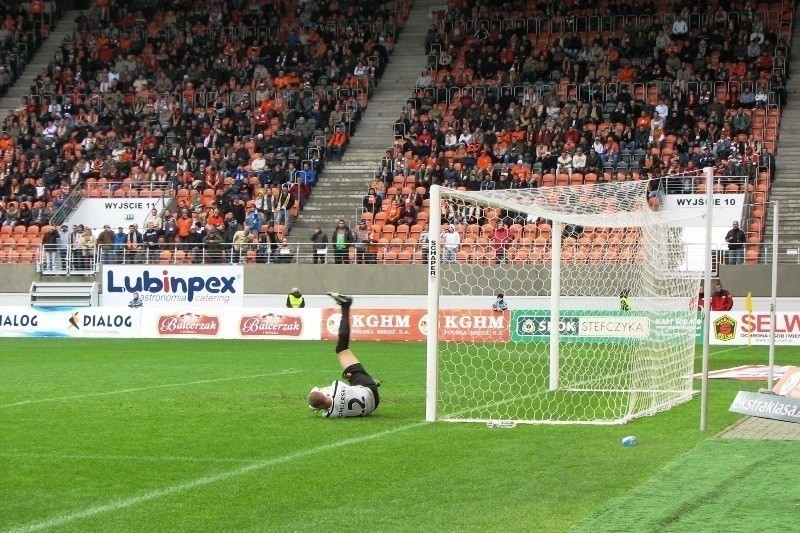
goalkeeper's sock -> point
(344, 330)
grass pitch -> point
(143, 435)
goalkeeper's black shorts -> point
(356, 375)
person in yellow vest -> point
(295, 299)
(625, 302)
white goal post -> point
(571, 254)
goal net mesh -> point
(576, 249)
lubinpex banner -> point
(174, 285)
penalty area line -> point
(143, 458)
(203, 481)
(151, 387)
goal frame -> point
(433, 304)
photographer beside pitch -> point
(340, 400)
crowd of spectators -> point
(621, 91)
(23, 28)
(230, 103)
(518, 95)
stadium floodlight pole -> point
(773, 295)
(709, 172)
(434, 263)
(555, 304)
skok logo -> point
(148, 283)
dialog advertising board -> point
(89, 322)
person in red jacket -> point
(721, 300)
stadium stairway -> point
(787, 160)
(343, 184)
(41, 60)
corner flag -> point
(748, 304)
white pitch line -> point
(145, 458)
(139, 389)
(200, 482)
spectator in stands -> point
(741, 122)
(408, 213)
(283, 207)
(194, 242)
(341, 238)
(169, 228)
(267, 244)
(242, 243)
(25, 216)
(320, 246)
(736, 240)
(64, 240)
(336, 144)
(105, 244)
(501, 240)
(150, 242)
(452, 243)
(52, 259)
(12, 215)
(371, 203)
(393, 212)
(213, 244)
(184, 225)
(254, 219)
(134, 245)
(118, 252)
(362, 239)
(86, 249)
(153, 217)
(284, 253)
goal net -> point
(560, 256)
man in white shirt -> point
(564, 163)
(154, 218)
(452, 242)
(258, 163)
(680, 28)
(340, 399)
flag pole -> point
(709, 172)
(773, 294)
(748, 305)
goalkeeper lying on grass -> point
(340, 400)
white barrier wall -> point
(732, 328)
(727, 207)
(155, 323)
(118, 212)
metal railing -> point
(66, 208)
(546, 27)
(60, 260)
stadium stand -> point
(210, 105)
(551, 94)
(23, 28)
